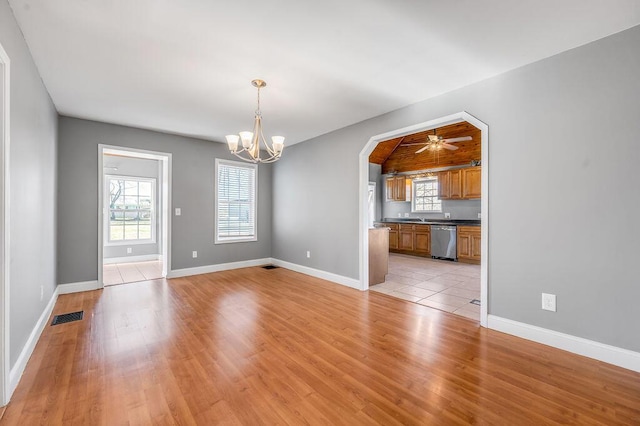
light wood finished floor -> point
(255, 346)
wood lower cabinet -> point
(393, 235)
(405, 238)
(410, 239)
(422, 240)
(469, 244)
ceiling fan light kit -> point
(251, 141)
(435, 143)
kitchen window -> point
(425, 196)
(235, 201)
(130, 216)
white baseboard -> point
(177, 273)
(329, 276)
(610, 354)
(78, 287)
(18, 369)
(128, 259)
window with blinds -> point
(235, 201)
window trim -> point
(413, 195)
(154, 204)
(236, 239)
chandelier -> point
(250, 151)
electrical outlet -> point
(479, 214)
(549, 302)
(178, 211)
(447, 215)
(308, 254)
(129, 250)
(406, 215)
(194, 254)
(399, 214)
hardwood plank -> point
(253, 346)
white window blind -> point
(235, 201)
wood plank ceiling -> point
(399, 154)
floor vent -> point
(270, 267)
(73, 316)
(475, 302)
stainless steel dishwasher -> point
(444, 242)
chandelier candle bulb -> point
(278, 143)
(246, 137)
(232, 141)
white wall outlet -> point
(129, 250)
(308, 254)
(41, 292)
(194, 254)
(178, 211)
(479, 215)
(399, 214)
(447, 215)
(549, 302)
(406, 215)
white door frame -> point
(165, 226)
(484, 203)
(4, 226)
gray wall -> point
(563, 189)
(193, 191)
(33, 187)
(136, 167)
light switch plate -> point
(178, 211)
(447, 215)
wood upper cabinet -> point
(459, 184)
(450, 185)
(472, 182)
(398, 188)
(469, 244)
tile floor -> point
(441, 284)
(121, 273)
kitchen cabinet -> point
(469, 244)
(450, 185)
(393, 235)
(460, 184)
(398, 188)
(471, 182)
(422, 239)
(405, 238)
(411, 239)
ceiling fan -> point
(435, 142)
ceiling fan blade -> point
(422, 149)
(454, 140)
(449, 147)
(415, 144)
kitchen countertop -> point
(468, 222)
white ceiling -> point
(185, 66)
